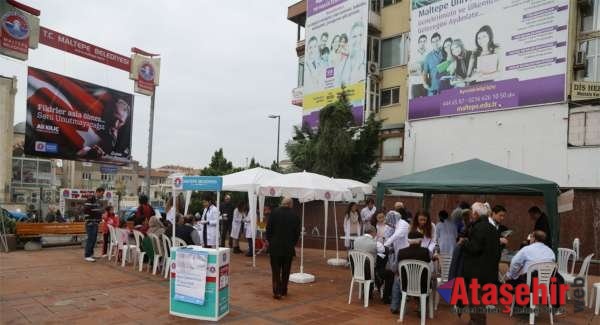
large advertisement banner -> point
(471, 56)
(73, 119)
(335, 56)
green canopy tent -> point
(476, 177)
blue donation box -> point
(199, 282)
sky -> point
(225, 66)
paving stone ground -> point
(55, 285)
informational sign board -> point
(486, 55)
(216, 286)
(77, 120)
(198, 183)
(336, 56)
(190, 282)
(581, 90)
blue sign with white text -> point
(202, 183)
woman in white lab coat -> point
(239, 214)
(352, 224)
(248, 233)
(208, 222)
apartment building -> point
(566, 149)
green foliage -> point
(218, 166)
(275, 167)
(9, 223)
(337, 148)
(253, 163)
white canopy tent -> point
(248, 181)
(358, 190)
(305, 187)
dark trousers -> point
(280, 269)
(388, 283)
(91, 229)
(105, 241)
(225, 232)
(250, 246)
(523, 279)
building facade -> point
(559, 141)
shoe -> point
(395, 311)
(90, 259)
(249, 254)
(277, 296)
(237, 250)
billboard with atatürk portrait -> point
(335, 56)
(77, 120)
(472, 56)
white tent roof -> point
(305, 187)
(355, 186)
(247, 180)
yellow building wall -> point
(395, 20)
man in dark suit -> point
(413, 252)
(541, 223)
(283, 231)
(481, 254)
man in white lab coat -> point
(208, 222)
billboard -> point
(486, 55)
(73, 119)
(19, 31)
(335, 55)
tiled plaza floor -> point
(55, 285)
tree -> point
(337, 148)
(253, 163)
(218, 166)
(275, 167)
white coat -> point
(350, 230)
(248, 226)
(236, 223)
(430, 243)
(210, 219)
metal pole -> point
(278, 128)
(150, 133)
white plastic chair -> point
(414, 270)
(445, 260)
(358, 270)
(158, 254)
(596, 295)
(124, 246)
(113, 243)
(178, 242)
(545, 270)
(576, 245)
(166, 242)
(139, 254)
(563, 257)
(583, 274)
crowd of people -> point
(472, 234)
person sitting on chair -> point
(413, 252)
(367, 244)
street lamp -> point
(278, 117)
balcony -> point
(300, 48)
(297, 13)
(297, 95)
(374, 20)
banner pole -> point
(150, 134)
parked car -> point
(15, 215)
(127, 214)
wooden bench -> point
(25, 229)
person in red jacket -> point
(108, 218)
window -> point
(584, 126)
(591, 50)
(106, 177)
(390, 96)
(394, 51)
(373, 95)
(301, 71)
(392, 144)
(373, 49)
(590, 16)
(86, 176)
(390, 2)
(376, 5)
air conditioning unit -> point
(580, 58)
(373, 69)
